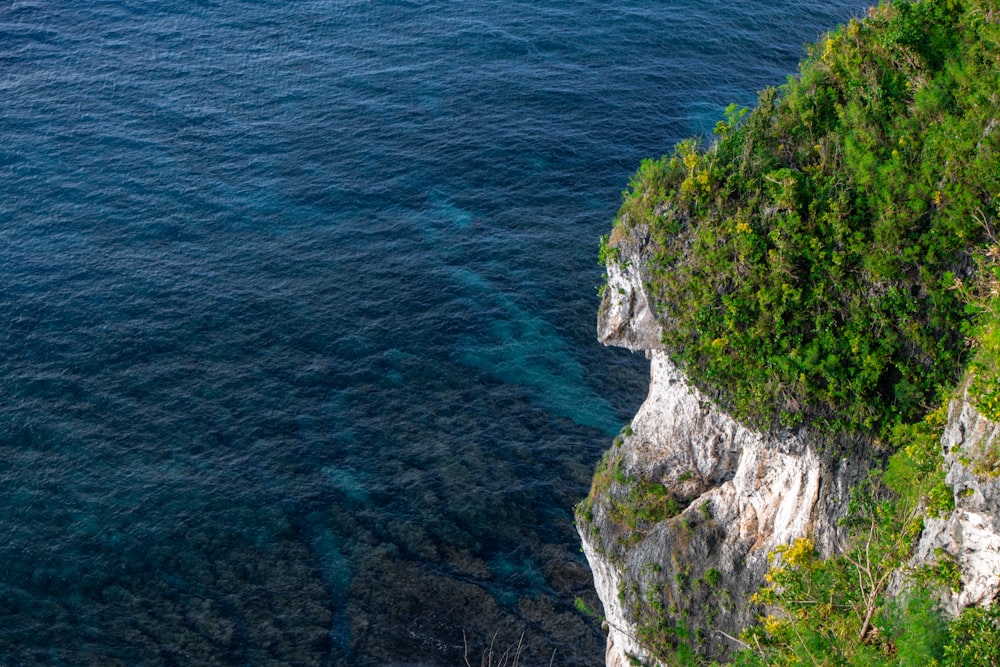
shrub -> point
(975, 638)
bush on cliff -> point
(809, 264)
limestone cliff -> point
(824, 262)
(689, 502)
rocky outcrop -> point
(626, 318)
(688, 502)
(970, 535)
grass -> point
(494, 656)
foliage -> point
(645, 504)
(975, 638)
(607, 252)
(808, 260)
(915, 472)
(984, 387)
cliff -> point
(804, 484)
(969, 536)
(732, 494)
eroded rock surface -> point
(970, 535)
(626, 318)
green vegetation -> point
(647, 504)
(831, 261)
(635, 505)
(984, 371)
(839, 610)
(810, 262)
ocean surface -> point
(297, 304)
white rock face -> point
(626, 319)
(621, 633)
(742, 492)
(971, 534)
(679, 437)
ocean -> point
(297, 307)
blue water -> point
(298, 301)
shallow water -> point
(297, 314)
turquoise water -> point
(298, 305)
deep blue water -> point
(297, 303)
